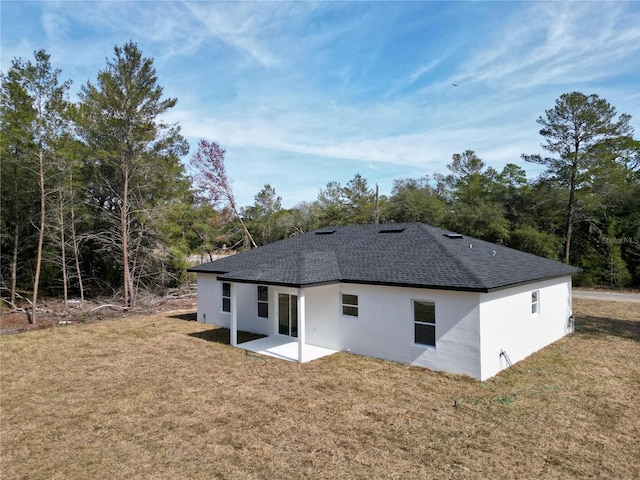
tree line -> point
(95, 198)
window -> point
(349, 304)
(226, 297)
(424, 317)
(535, 302)
(263, 301)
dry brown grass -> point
(160, 398)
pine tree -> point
(134, 155)
(578, 130)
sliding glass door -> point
(288, 314)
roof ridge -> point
(307, 258)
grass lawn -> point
(159, 397)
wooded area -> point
(95, 197)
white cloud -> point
(259, 30)
(340, 83)
(236, 25)
(557, 43)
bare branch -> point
(212, 178)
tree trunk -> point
(246, 230)
(76, 257)
(14, 264)
(376, 213)
(63, 252)
(570, 210)
(36, 279)
(125, 236)
(134, 267)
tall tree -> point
(360, 200)
(415, 200)
(303, 217)
(511, 190)
(266, 206)
(132, 149)
(66, 211)
(34, 89)
(194, 226)
(470, 181)
(332, 204)
(353, 204)
(578, 129)
(208, 162)
(19, 184)
(610, 218)
(474, 210)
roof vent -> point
(325, 232)
(392, 230)
(453, 235)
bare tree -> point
(75, 241)
(208, 161)
(63, 230)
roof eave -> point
(224, 278)
(457, 288)
(529, 282)
(221, 276)
(197, 269)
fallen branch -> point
(13, 306)
(16, 309)
(24, 298)
(109, 306)
(178, 297)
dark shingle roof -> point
(410, 254)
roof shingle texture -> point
(411, 254)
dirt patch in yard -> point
(150, 397)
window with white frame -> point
(226, 297)
(424, 318)
(349, 304)
(535, 302)
(263, 301)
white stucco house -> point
(409, 293)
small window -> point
(535, 302)
(226, 297)
(349, 305)
(424, 317)
(263, 301)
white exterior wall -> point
(471, 328)
(324, 326)
(210, 305)
(384, 327)
(210, 301)
(508, 324)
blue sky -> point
(302, 93)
